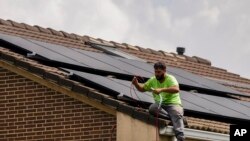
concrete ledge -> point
(196, 134)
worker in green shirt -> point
(165, 89)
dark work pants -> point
(172, 112)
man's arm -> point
(171, 90)
(139, 87)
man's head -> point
(160, 70)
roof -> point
(196, 65)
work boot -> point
(180, 137)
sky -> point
(217, 30)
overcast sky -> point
(218, 30)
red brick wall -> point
(29, 111)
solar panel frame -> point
(186, 78)
(234, 105)
(109, 59)
(118, 86)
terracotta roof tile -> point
(71, 36)
(3, 22)
(107, 43)
(180, 57)
(54, 32)
(114, 44)
(118, 45)
(143, 49)
(32, 28)
(155, 52)
(130, 46)
(167, 54)
(191, 59)
(203, 61)
(208, 125)
(43, 30)
(93, 40)
(78, 37)
(19, 25)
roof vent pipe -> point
(180, 50)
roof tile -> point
(143, 49)
(115, 44)
(78, 37)
(202, 60)
(167, 54)
(19, 25)
(130, 47)
(106, 43)
(71, 36)
(155, 52)
(191, 59)
(181, 57)
(54, 32)
(43, 30)
(5, 22)
(93, 40)
(32, 28)
(120, 45)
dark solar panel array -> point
(109, 63)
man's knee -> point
(153, 109)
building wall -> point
(130, 129)
(29, 111)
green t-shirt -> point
(167, 98)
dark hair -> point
(160, 65)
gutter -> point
(196, 134)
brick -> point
(35, 112)
(3, 132)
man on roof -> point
(165, 89)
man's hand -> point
(138, 86)
(157, 91)
(135, 81)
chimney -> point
(180, 50)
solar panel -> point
(116, 52)
(189, 104)
(203, 82)
(80, 57)
(185, 77)
(213, 105)
(245, 103)
(234, 105)
(110, 60)
(222, 106)
(120, 87)
(45, 52)
(149, 68)
(111, 64)
(75, 57)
